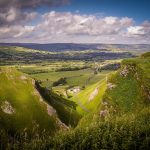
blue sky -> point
(77, 21)
(137, 9)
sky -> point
(75, 21)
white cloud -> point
(110, 20)
(68, 27)
(24, 31)
(136, 30)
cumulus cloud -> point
(76, 24)
(12, 11)
(74, 27)
(141, 32)
(135, 30)
(14, 16)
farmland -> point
(70, 96)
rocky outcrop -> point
(7, 108)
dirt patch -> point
(93, 94)
(7, 108)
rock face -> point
(50, 110)
(7, 108)
(124, 72)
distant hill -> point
(60, 47)
(14, 55)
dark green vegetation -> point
(14, 55)
(122, 119)
(61, 47)
(114, 105)
(61, 81)
(65, 108)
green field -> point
(78, 78)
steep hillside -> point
(65, 109)
(89, 99)
(22, 107)
(130, 91)
(122, 119)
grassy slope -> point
(132, 92)
(29, 110)
(84, 95)
(65, 109)
(126, 124)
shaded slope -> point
(65, 109)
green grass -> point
(29, 111)
(87, 105)
(84, 104)
(65, 109)
(125, 126)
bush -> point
(61, 81)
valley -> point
(58, 97)
(74, 75)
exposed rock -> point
(50, 110)
(104, 103)
(74, 90)
(33, 82)
(124, 72)
(103, 113)
(7, 108)
(62, 125)
(110, 86)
